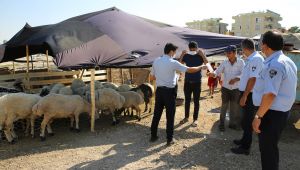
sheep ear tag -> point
(272, 73)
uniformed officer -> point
(164, 72)
(254, 65)
(274, 93)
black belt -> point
(187, 81)
(164, 87)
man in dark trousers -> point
(253, 66)
(192, 81)
(274, 93)
(164, 72)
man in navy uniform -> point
(164, 72)
(274, 93)
(253, 66)
(192, 81)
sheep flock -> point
(57, 101)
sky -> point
(15, 13)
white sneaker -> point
(195, 123)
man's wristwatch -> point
(257, 116)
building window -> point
(257, 27)
(257, 20)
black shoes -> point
(234, 127)
(183, 121)
(153, 138)
(171, 142)
(240, 150)
(237, 142)
(222, 128)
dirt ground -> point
(127, 146)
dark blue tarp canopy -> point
(108, 38)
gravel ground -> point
(126, 146)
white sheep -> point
(132, 100)
(98, 85)
(81, 91)
(56, 87)
(65, 91)
(110, 85)
(124, 88)
(15, 106)
(107, 100)
(55, 106)
(77, 83)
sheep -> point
(148, 91)
(132, 100)
(107, 99)
(65, 91)
(53, 88)
(9, 90)
(77, 83)
(110, 85)
(55, 106)
(45, 91)
(124, 88)
(98, 85)
(11, 112)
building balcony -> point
(269, 26)
(268, 19)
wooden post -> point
(149, 81)
(93, 100)
(131, 76)
(110, 75)
(122, 76)
(14, 71)
(47, 57)
(31, 62)
(27, 70)
(82, 72)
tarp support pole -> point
(47, 58)
(93, 100)
(27, 70)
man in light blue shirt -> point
(254, 65)
(164, 72)
(274, 93)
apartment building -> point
(255, 23)
(211, 25)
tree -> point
(294, 29)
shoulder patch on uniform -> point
(272, 73)
(253, 68)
